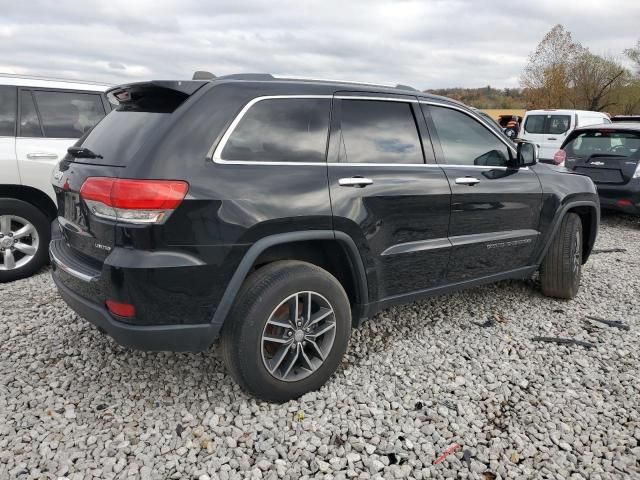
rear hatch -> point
(609, 156)
(142, 113)
(548, 130)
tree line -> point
(561, 73)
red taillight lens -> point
(625, 202)
(121, 309)
(559, 157)
(130, 200)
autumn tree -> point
(634, 56)
(546, 78)
(594, 80)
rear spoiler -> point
(159, 96)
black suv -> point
(274, 215)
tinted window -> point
(281, 130)
(379, 132)
(29, 122)
(8, 107)
(585, 144)
(465, 141)
(547, 124)
(68, 115)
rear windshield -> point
(547, 124)
(119, 136)
(600, 142)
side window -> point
(68, 114)
(8, 108)
(281, 130)
(558, 124)
(379, 132)
(29, 121)
(465, 141)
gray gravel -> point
(416, 379)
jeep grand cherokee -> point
(274, 215)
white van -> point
(39, 119)
(549, 128)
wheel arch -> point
(318, 247)
(31, 195)
(589, 213)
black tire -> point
(18, 208)
(562, 266)
(261, 294)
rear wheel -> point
(562, 267)
(25, 232)
(287, 332)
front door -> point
(386, 195)
(548, 131)
(495, 209)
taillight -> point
(559, 157)
(133, 201)
(121, 309)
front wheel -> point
(561, 268)
(24, 239)
(287, 332)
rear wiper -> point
(80, 152)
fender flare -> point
(558, 219)
(261, 245)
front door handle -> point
(467, 181)
(42, 156)
(552, 138)
(357, 182)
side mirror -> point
(527, 154)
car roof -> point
(44, 82)
(611, 126)
(551, 111)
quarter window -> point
(68, 114)
(281, 130)
(379, 132)
(465, 141)
(8, 107)
(29, 122)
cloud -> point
(427, 44)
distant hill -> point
(486, 97)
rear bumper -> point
(625, 198)
(177, 338)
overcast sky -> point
(426, 44)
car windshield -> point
(603, 142)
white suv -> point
(39, 119)
(549, 128)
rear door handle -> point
(467, 181)
(42, 156)
(357, 182)
(552, 138)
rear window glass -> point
(8, 108)
(120, 135)
(68, 114)
(281, 130)
(586, 144)
(547, 124)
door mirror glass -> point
(527, 154)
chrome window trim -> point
(215, 154)
(215, 151)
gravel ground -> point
(416, 379)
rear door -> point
(386, 194)
(8, 109)
(495, 209)
(548, 130)
(50, 122)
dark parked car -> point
(625, 118)
(611, 157)
(275, 215)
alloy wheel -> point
(18, 242)
(298, 336)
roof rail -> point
(54, 79)
(268, 76)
